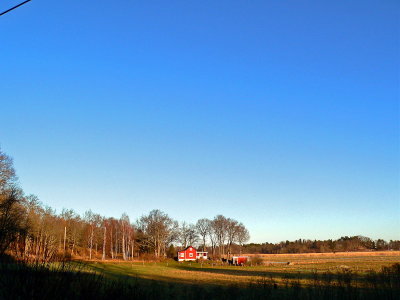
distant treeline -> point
(352, 243)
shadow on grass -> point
(242, 271)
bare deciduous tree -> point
(242, 236)
(159, 228)
(219, 225)
(7, 172)
(93, 221)
(231, 232)
(11, 219)
(203, 227)
(187, 234)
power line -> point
(8, 10)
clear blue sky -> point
(281, 114)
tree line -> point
(343, 244)
(29, 229)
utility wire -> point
(8, 10)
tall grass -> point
(72, 280)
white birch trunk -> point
(104, 243)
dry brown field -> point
(357, 261)
(330, 254)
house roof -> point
(192, 248)
(188, 248)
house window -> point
(204, 254)
(182, 254)
(190, 254)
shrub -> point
(256, 260)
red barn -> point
(239, 260)
(190, 253)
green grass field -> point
(278, 267)
(281, 277)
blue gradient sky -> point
(281, 114)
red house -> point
(190, 253)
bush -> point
(256, 260)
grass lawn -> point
(302, 266)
